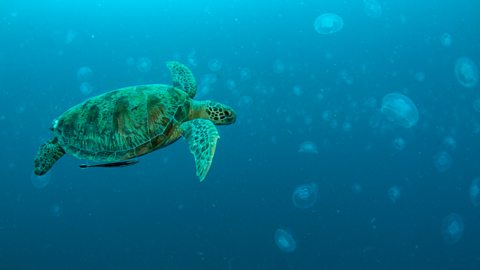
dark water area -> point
(356, 144)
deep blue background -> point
(156, 215)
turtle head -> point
(218, 113)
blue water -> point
(291, 87)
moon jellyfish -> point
(372, 8)
(476, 105)
(357, 188)
(442, 161)
(56, 210)
(328, 23)
(305, 196)
(84, 74)
(40, 182)
(209, 79)
(206, 83)
(475, 192)
(192, 58)
(347, 126)
(399, 144)
(394, 193)
(70, 36)
(446, 40)
(466, 72)
(419, 76)
(449, 143)
(308, 147)
(144, 64)
(215, 65)
(452, 228)
(245, 74)
(345, 77)
(279, 67)
(285, 241)
(400, 110)
(297, 90)
(231, 85)
(86, 88)
(21, 108)
(245, 102)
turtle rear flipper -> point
(47, 155)
(182, 78)
(202, 136)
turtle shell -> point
(123, 123)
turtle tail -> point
(47, 155)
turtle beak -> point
(230, 116)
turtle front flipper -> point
(202, 136)
(47, 155)
(182, 78)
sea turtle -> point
(117, 126)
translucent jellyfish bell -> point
(284, 241)
(305, 196)
(466, 72)
(328, 23)
(400, 110)
(446, 40)
(205, 84)
(452, 228)
(449, 143)
(192, 58)
(345, 77)
(372, 8)
(144, 64)
(475, 192)
(40, 182)
(442, 161)
(308, 147)
(297, 90)
(476, 105)
(347, 126)
(56, 210)
(86, 88)
(419, 76)
(399, 144)
(245, 74)
(279, 67)
(70, 36)
(357, 188)
(231, 85)
(84, 74)
(394, 193)
(215, 65)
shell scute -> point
(121, 124)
